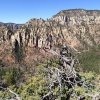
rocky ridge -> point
(78, 28)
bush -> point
(18, 52)
(11, 76)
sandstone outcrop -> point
(78, 28)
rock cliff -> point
(78, 28)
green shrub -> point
(90, 61)
(11, 76)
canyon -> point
(77, 28)
(52, 59)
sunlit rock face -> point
(78, 28)
(81, 24)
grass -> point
(90, 60)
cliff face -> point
(78, 28)
(84, 25)
(7, 28)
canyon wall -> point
(77, 28)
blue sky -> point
(20, 11)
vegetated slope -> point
(24, 53)
(90, 60)
(54, 79)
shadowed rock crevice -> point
(18, 52)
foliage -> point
(90, 61)
(18, 52)
(35, 87)
(10, 75)
(36, 83)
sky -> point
(20, 11)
